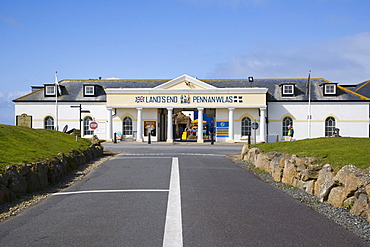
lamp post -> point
(80, 119)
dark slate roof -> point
(72, 90)
(363, 88)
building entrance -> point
(185, 125)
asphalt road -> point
(172, 195)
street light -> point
(81, 111)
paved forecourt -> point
(172, 195)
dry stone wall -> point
(348, 188)
(25, 178)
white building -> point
(131, 109)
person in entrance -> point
(290, 132)
(181, 129)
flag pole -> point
(56, 100)
(309, 116)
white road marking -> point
(173, 227)
(171, 155)
(109, 191)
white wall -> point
(66, 115)
(351, 118)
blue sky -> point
(168, 38)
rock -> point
(289, 172)
(24, 169)
(262, 162)
(324, 182)
(4, 179)
(337, 196)
(312, 172)
(41, 169)
(17, 183)
(309, 186)
(349, 201)
(275, 169)
(277, 173)
(33, 183)
(361, 177)
(252, 155)
(244, 151)
(360, 191)
(352, 179)
(95, 140)
(361, 207)
(283, 159)
(367, 189)
(5, 194)
(301, 167)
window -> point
(50, 90)
(330, 89)
(246, 126)
(89, 90)
(288, 90)
(49, 123)
(127, 126)
(286, 122)
(87, 130)
(329, 126)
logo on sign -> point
(185, 99)
(139, 99)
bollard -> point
(115, 137)
(149, 139)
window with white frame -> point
(49, 123)
(127, 126)
(89, 90)
(246, 126)
(87, 130)
(288, 90)
(50, 90)
(330, 89)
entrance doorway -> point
(185, 123)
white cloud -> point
(344, 60)
(9, 96)
(7, 106)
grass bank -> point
(337, 151)
(25, 145)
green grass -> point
(337, 151)
(25, 145)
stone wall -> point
(26, 178)
(348, 188)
